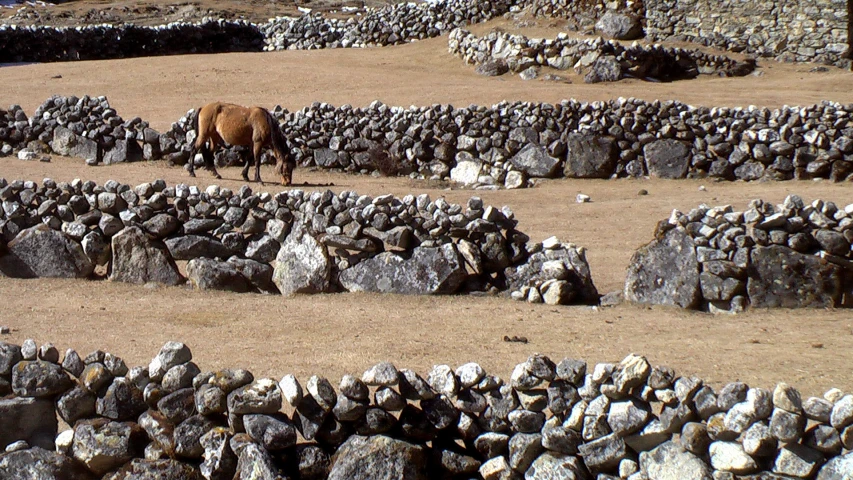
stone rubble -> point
(517, 431)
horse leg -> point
(209, 163)
(193, 153)
(257, 153)
(247, 162)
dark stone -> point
(30, 419)
(136, 259)
(209, 274)
(665, 272)
(378, 458)
(41, 464)
(605, 69)
(667, 158)
(781, 277)
(492, 68)
(429, 271)
(43, 252)
(534, 160)
(39, 379)
(590, 156)
(619, 26)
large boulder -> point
(43, 252)
(41, 464)
(66, 142)
(125, 150)
(429, 271)
(29, 419)
(137, 259)
(378, 458)
(139, 469)
(665, 272)
(38, 378)
(619, 26)
(534, 160)
(839, 468)
(781, 277)
(467, 170)
(667, 158)
(104, 446)
(209, 274)
(302, 265)
(605, 69)
(187, 247)
(670, 461)
(566, 263)
(590, 156)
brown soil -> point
(346, 333)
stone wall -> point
(789, 30)
(599, 59)
(721, 259)
(504, 145)
(290, 242)
(567, 420)
(390, 25)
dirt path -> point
(336, 334)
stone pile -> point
(591, 57)
(582, 16)
(722, 260)
(390, 25)
(290, 242)
(568, 420)
(787, 30)
(99, 42)
(509, 144)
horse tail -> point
(279, 143)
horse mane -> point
(279, 143)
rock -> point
(781, 277)
(210, 399)
(492, 68)
(667, 158)
(262, 396)
(515, 179)
(125, 150)
(255, 463)
(381, 374)
(29, 419)
(188, 247)
(75, 404)
(550, 466)
(534, 161)
(208, 274)
(467, 170)
(838, 468)
(161, 225)
(429, 271)
(671, 462)
(797, 461)
(259, 274)
(171, 355)
(66, 142)
(188, 436)
(39, 463)
(122, 401)
(377, 458)
(103, 446)
(271, 432)
(627, 417)
(453, 464)
(43, 252)
(166, 469)
(220, 462)
(39, 379)
(497, 468)
(302, 265)
(313, 462)
(787, 426)
(842, 413)
(603, 454)
(619, 26)
(160, 430)
(589, 156)
(665, 272)
(605, 69)
(177, 406)
(136, 259)
(523, 450)
(694, 438)
(730, 457)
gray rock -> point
(797, 461)
(534, 161)
(731, 394)
(75, 404)
(381, 374)
(556, 467)
(161, 225)
(43, 252)
(66, 142)
(262, 396)
(263, 249)
(787, 426)
(188, 436)
(160, 430)
(30, 419)
(177, 406)
(730, 457)
(603, 454)
(259, 274)
(429, 271)
(136, 259)
(313, 462)
(39, 379)
(210, 399)
(605, 69)
(255, 463)
(627, 417)
(665, 272)
(161, 469)
(667, 158)
(492, 68)
(302, 265)
(758, 442)
(524, 448)
(125, 150)
(817, 409)
(188, 247)
(122, 401)
(694, 438)
(497, 468)
(179, 376)
(671, 462)
(209, 274)
(171, 354)
(842, 413)
(781, 277)
(220, 462)
(378, 458)
(103, 446)
(619, 26)
(39, 463)
(838, 468)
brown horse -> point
(218, 123)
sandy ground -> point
(346, 333)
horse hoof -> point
(218, 176)
(192, 174)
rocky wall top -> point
(789, 30)
(794, 254)
(171, 420)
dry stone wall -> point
(720, 259)
(504, 145)
(291, 242)
(789, 30)
(629, 420)
(592, 56)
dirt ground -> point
(346, 333)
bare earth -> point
(346, 333)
